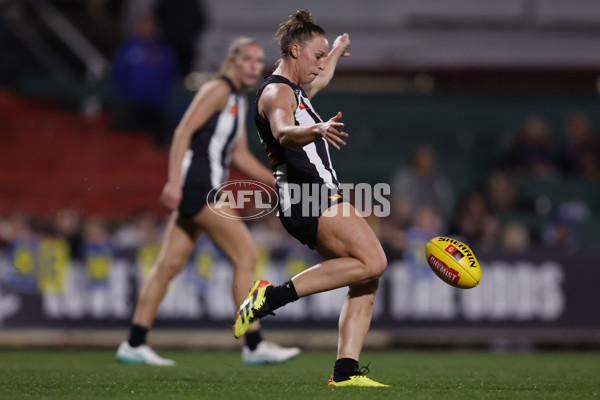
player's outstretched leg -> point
(234, 240)
(354, 258)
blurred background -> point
(481, 115)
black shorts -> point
(304, 227)
(193, 199)
(196, 183)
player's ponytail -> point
(299, 28)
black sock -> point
(253, 339)
(344, 368)
(137, 335)
(279, 296)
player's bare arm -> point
(277, 104)
(339, 49)
(211, 98)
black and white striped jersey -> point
(206, 162)
(309, 164)
(209, 155)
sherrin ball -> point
(453, 262)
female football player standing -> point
(296, 141)
(210, 136)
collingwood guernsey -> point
(309, 164)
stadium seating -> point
(52, 159)
(69, 160)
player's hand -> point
(343, 42)
(171, 196)
(331, 131)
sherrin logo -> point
(463, 250)
(454, 252)
(449, 274)
(450, 249)
(230, 198)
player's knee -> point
(376, 263)
(381, 264)
(167, 269)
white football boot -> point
(268, 353)
(141, 355)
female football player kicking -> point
(297, 144)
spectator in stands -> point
(95, 230)
(144, 74)
(97, 255)
(393, 229)
(515, 237)
(421, 183)
(474, 222)
(560, 232)
(66, 225)
(579, 151)
(182, 21)
(142, 229)
(16, 226)
(531, 154)
(502, 196)
(500, 192)
(427, 223)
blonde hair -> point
(299, 28)
(234, 49)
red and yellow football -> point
(454, 262)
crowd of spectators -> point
(492, 215)
(539, 153)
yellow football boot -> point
(358, 380)
(253, 308)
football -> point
(454, 262)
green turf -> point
(55, 374)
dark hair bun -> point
(299, 27)
(303, 16)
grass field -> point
(56, 374)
